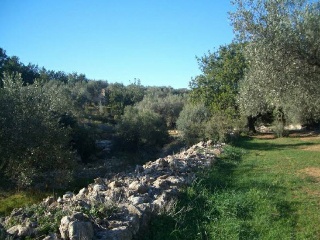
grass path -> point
(271, 192)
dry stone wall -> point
(118, 208)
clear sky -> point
(116, 40)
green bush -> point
(140, 129)
(192, 122)
(168, 106)
(33, 140)
(220, 128)
(84, 143)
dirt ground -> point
(311, 172)
(303, 135)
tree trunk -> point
(251, 121)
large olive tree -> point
(283, 52)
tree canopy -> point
(217, 85)
(283, 52)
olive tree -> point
(192, 122)
(167, 106)
(140, 129)
(34, 145)
(282, 50)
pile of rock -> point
(119, 207)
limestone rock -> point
(99, 188)
(80, 230)
(122, 205)
(120, 233)
(48, 201)
(83, 191)
(114, 184)
(67, 196)
(136, 200)
(77, 226)
(64, 227)
(138, 187)
(20, 231)
(52, 236)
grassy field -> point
(260, 189)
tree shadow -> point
(267, 144)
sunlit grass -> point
(11, 200)
(272, 193)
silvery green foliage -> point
(283, 53)
(33, 143)
(168, 106)
(192, 122)
(140, 129)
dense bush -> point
(219, 128)
(192, 122)
(168, 106)
(33, 141)
(140, 129)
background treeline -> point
(50, 121)
(270, 74)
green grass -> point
(16, 199)
(11, 200)
(272, 192)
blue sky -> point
(118, 40)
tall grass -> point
(272, 192)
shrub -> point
(84, 142)
(192, 122)
(168, 106)
(140, 129)
(220, 128)
(33, 141)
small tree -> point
(141, 129)
(192, 122)
(218, 87)
(167, 106)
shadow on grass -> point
(267, 144)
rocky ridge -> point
(118, 208)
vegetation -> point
(261, 189)
(34, 139)
(50, 121)
(217, 88)
(191, 122)
(11, 200)
(282, 48)
(141, 129)
(164, 102)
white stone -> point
(99, 188)
(80, 230)
(67, 196)
(64, 227)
